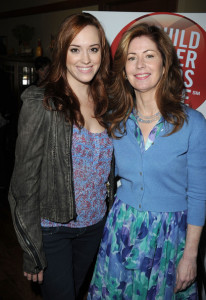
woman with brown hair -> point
(150, 241)
(63, 154)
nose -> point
(140, 63)
(85, 57)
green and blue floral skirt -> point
(138, 256)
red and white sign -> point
(188, 34)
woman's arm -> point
(187, 268)
(24, 186)
(196, 196)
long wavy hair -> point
(58, 93)
(169, 93)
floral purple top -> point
(91, 156)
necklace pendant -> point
(145, 119)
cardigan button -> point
(140, 205)
(140, 173)
(141, 188)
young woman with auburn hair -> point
(58, 188)
(150, 241)
(58, 87)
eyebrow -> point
(78, 46)
(143, 51)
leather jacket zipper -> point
(72, 179)
(28, 243)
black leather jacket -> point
(42, 182)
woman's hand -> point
(34, 277)
(187, 267)
(186, 273)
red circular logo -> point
(189, 39)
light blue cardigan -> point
(171, 175)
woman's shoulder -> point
(191, 112)
(32, 103)
(195, 119)
(33, 93)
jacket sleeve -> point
(24, 185)
(196, 165)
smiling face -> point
(83, 57)
(144, 65)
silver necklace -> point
(146, 119)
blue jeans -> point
(69, 253)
